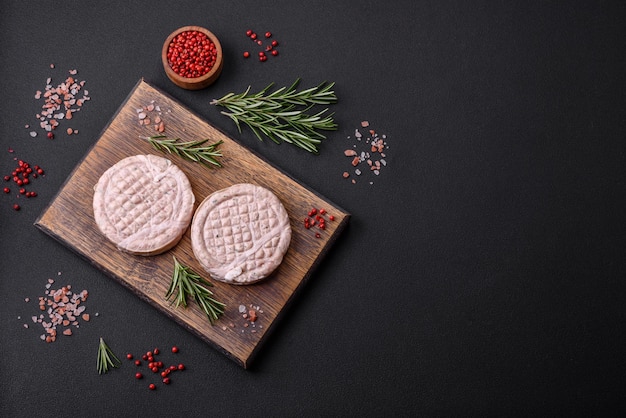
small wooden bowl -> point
(196, 83)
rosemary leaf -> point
(106, 358)
(186, 283)
(195, 151)
(282, 115)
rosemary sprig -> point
(190, 150)
(282, 115)
(106, 358)
(186, 283)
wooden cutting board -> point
(69, 219)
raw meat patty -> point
(143, 204)
(240, 234)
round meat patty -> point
(240, 234)
(143, 204)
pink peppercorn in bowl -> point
(192, 57)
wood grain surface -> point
(69, 219)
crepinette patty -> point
(143, 204)
(240, 234)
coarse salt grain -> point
(62, 306)
(145, 116)
(59, 101)
(373, 155)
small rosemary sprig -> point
(190, 150)
(282, 115)
(106, 358)
(187, 283)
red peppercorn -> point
(268, 34)
(155, 369)
(191, 54)
(253, 35)
(155, 351)
(152, 386)
(137, 362)
(7, 190)
(166, 380)
(165, 372)
(16, 207)
(138, 376)
(246, 54)
(275, 52)
(174, 349)
(274, 43)
(331, 218)
(181, 366)
(129, 356)
(317, 235)
(249, 32)
(7, 178)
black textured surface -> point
(482, 272)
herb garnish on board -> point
(185, 283)
(195, 151)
